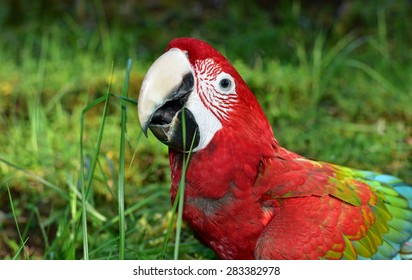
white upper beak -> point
(162, 80)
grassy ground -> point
(338, 96)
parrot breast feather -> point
(320, 210)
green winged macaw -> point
(246, 197)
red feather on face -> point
(247, 197)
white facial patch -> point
(205, 119)
(213, 98)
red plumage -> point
(247, 197)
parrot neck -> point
(232, 158)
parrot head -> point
(193, 86)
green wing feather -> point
(392, 211)
(397, 197)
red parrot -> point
(247, 197)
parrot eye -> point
(226, 83)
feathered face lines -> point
(216, 89)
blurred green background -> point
(334, 77)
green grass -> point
(78, 180)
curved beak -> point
(163, 95)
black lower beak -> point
(181, 134)
(175, 125)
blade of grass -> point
(170, 225)
(42, 229)
(36, 178)
(131, 101)
(22, 246)
(22, 243)
(178, 203)
(85, 189)
(135, 150)
(186, 160)
(104, 30)
(383, 33)
(373, 74)
(143, 202)
(120, 185)
(90, 208)
(181, 189)
(74, 217)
